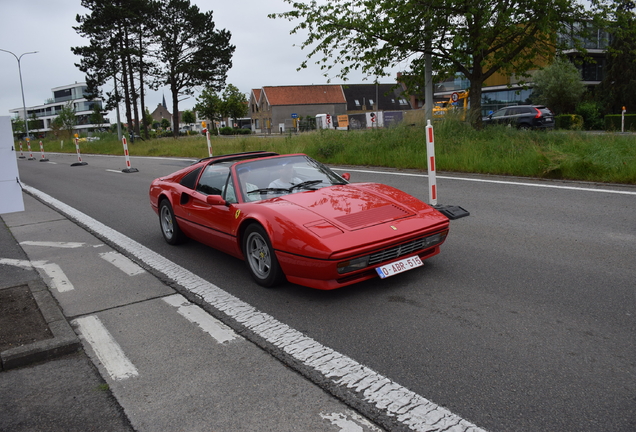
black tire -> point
(260, 257)
(525, 126)
(172, 234)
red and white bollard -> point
(128, 169)
(43, 159)
(79, 156)
(29, 147)
(451, 212)
(207, 136)
(21, 152)
(430, 156)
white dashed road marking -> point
(106, 348)
(64, 245)
(198, 316)
(342, 421)
(122, 263)
(57, 278)
(409, 408)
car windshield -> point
(272, 177)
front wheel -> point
(260, 258)
(168, 223)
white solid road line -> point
(389, 397)
(106, 348)
(505, 182)
(204, 320)
(122, 263)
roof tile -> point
(305, 95)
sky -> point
(266, 54)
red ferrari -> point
(291, 217)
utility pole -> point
(26, 119)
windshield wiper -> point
(263, 190)
(296, 186)
(305, 184)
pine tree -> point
(191, 51)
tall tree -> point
(191, 51)
(118, 34)
(97, 116)
(618, 88)
(558, 86)
(234, 103)
(209, 106)
(67, 119)
(475, 38)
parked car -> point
(291, 217)
(522, 117)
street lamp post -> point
(26, 120)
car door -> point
(513, 115)
(214, 224)
(498, 117)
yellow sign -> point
(343, 121)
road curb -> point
(64, 340)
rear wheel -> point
(168, 223)
(260, 257)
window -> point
(213, 180)
(499, 113)
(190, 179)
(357, 102)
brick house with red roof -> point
(271, 108)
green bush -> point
(568, 121)
(592, 115)
(234, 131)
(613, 122)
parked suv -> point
(522, 117)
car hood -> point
(345, 220)
(357, 206)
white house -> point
(46, 113)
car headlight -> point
(353, 265)
(435, 239)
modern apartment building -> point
(46, 113)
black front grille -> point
(398, 251)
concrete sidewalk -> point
(47, 382)
(178, 368)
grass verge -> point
(568, 155)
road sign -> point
(455, 97)
(294, 115)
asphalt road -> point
(525, 321)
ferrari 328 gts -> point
(291, 217)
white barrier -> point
(128, 168)
(43, 159)
(79, 156)
(430, 157)
(29, 147)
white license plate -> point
(399, 266)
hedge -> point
(613, 122)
